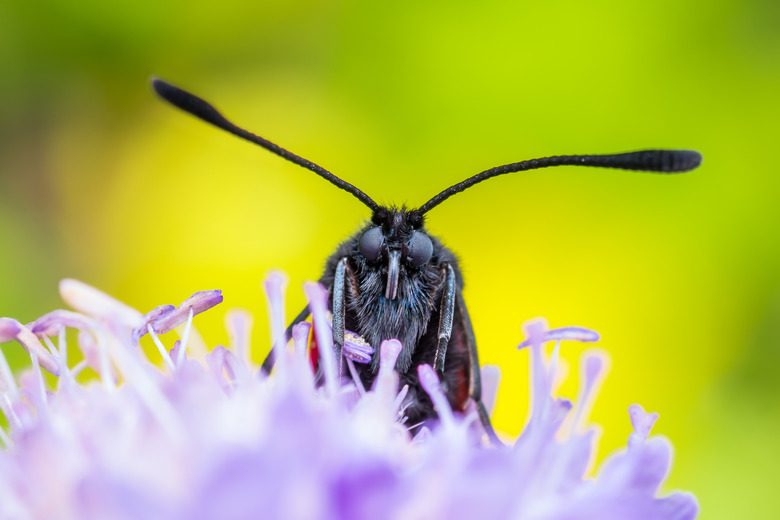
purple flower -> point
(211, 437)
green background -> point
(102, 182)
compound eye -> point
(370, 244)
(420, 249)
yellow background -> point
(102, 182)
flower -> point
(212, 437)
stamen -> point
(432, 386)
(62, 343)
(642, 422)
(275, 284)
(593, 367)
(535, 331)
(8, 384)
(317, 296)
(40, 386)
(355, 346)
(565, 334)
(184, 337)
(300, 334)
(78, 367)
(52, 323)
(389, 351)
(9, 411)
(165, 318)
(215, 360)
(238, 323)
(53, 350)
(236, 369)
(136, 376)
(386, 382)
(105, 365)
(356, 378)
(153, 316)
(399, 399)
(161, 348)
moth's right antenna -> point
(659, 161)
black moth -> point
(394, 280)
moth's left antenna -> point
(203, 110)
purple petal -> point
(198, 302)
(9, 329)
(652, 465)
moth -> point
(393, 279)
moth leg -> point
(475, 389)
(446, 316)
(269, 361)
(339, 310)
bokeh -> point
(102, 182)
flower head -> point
(213, 437)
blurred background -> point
(102, 182)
